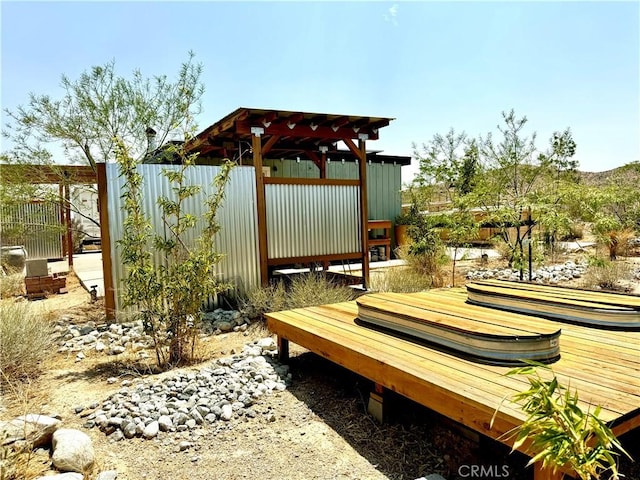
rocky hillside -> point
(602, 178)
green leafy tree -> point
(461, 229)
(83, 124)
(450, 161)
(169, 296)
(514, 172)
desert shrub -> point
(265, 299)
(306, 290)
(605, 274)
(25, 340)
(399, 280)
(11, 285)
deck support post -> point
(283, 349)
(376, 403)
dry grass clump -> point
(606, 275)
(399, 280)
(422, 270)
(305, 290)
(25, 340)
(11, 284)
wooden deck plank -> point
(443, 399)
(415, 306)
(603, 365)
(598, 388)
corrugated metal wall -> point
(307, 220)
(384, 181)
(36, 226)
(238, 238)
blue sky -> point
(431, 65)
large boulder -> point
(32, 429)
(72, 451)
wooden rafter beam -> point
(314, 158)
(327, 134)
(267, 118)
(339, 122)
(269, 144)
(49, 174)
(354, 149)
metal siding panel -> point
(42, 237)
(237, 239)
(308, 220)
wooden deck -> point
(603, 365)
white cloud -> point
(392, 15)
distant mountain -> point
(628, 171)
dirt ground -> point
(321, 429)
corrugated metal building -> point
(294, 198)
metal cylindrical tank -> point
(14, 258)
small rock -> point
(225, 326)
(184, 445)
(63, 476)
(151, 430)
(116, 350)
(165, 423)
(107, 475)
(227, 412)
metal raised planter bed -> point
(479, 340)
(593, 309)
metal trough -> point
(593, 309)
(478, 340)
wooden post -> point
(364, 213)
(67, 209)
(105, 242)
(283, 349)
(256, 144)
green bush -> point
(305, 290)
(25, 340)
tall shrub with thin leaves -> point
(169, 296)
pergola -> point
(289, 135)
